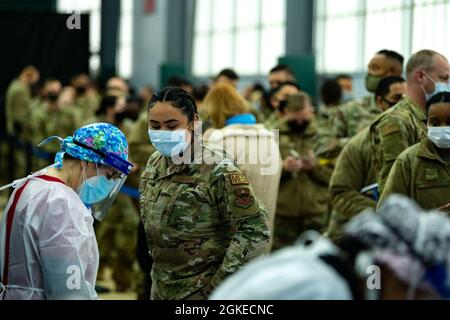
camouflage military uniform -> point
(37, 104)
(347, 120)
(140, 147)
(272, 121)
(47, 123)
(86, 106)
(303, 199)
(325, 117)
(263, 113)
(117, 240)
(421, 174)
(353, 172)
(18, 104)
(394, 131)
(203, 223)
(140, 150)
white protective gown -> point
(294, 273)
(53, 249)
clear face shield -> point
(108, 188)
(99, 192)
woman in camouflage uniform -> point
(201, 216)
(422, 171)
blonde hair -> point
(224, 102)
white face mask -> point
(438, 88)
(440, 136)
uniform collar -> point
(416, 110)
(165, 167)
(428, 150)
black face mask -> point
(390, 103)
(34, 89)
(294, 126)
(282, 106)
(80, 90)
(52, 97)
(132, 115)
(121, 116)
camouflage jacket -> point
(18, 107)
(272, 121)
(394, 131)
(87, 105)
(47, 123)
(325, 116)
(421, 174)
(353, 172)
(303, 194)
(344, 123)
(203, 223)
(140, 148)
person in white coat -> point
(48, 248)
(254, 148)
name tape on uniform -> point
(238, 180)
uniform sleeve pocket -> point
(148, 174)
(393, 145)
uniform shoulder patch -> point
(238, 180)
(244, 199)
(389, 129)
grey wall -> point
(166, 37)
(180, 28)
(110, 26)
(149, 43)
(299, 27)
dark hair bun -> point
(178, 98)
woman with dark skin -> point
(422, 172)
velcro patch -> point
(431, 174)
(244, 199)
(184, 180)
(390, 128)
(239, 180)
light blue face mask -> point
(95, 189)
(347, 96)
(438, 88)
(169, 143)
